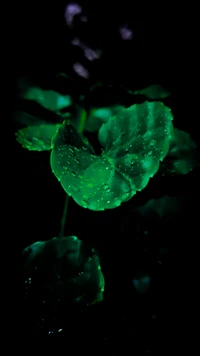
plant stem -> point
(83, 117)
(64, 216)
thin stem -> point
(82, 121)
(64, 216)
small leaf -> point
(48, 99)
(166, 207)
(153, 92)
(37, 138)
(182, 157)
(135, 142)
(98, 116)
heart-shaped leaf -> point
(134, 141)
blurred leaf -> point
(49, 99)
(98, 116)
(182, 157)
(66, 262)
(165, 207)
(152, 92)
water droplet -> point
(150, 153)
(74, 188)
(152, 142)
(76, 160)
(83, 203)
(73, 174)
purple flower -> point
(71, 10)
(90, 54)
(80, 70)
(126, 33)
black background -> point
(163, 51)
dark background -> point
(163, 52)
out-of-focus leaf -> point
(98, 116)
(134, 141)
(152, 92)
(165, 207)
(42, 251)
(49, 99)
(70, 268)
(181, 158)
(37, 138)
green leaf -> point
(135, 142)
(83, 279)
(153, 92)
(37, 138)
(166, 207)
(182, 157)
(98, 116)
(48, 99)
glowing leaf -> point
(49, 99)
(98, 116)
(134, 141)
(37, 138)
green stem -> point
(82, 121)
(64, 216)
